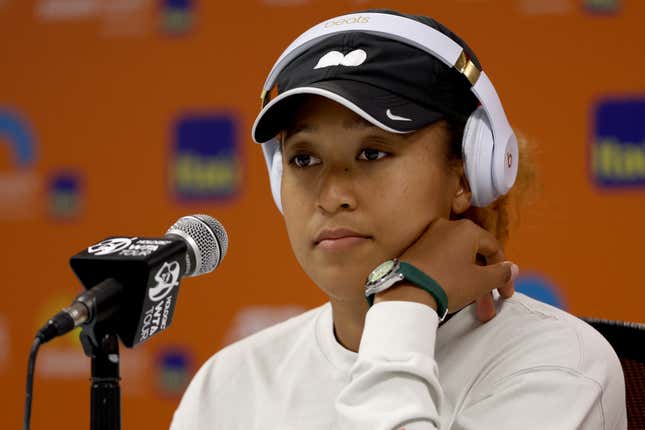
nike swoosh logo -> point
(396, 117)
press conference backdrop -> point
(119, 116)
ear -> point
(461, 199)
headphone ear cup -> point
(275, 176)
(477, 149)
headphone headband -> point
(437, 44)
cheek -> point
(294, 205)
(407, 204)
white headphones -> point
(489, 145)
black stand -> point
(105, 404)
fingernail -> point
(515, 270)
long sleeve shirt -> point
(531, 367)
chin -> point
(341, 281)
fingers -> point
(489, 247)
(508, 290)
(499, 276)
(485, 307)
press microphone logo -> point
(167, 278)
(110, 246)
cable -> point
(30, 381)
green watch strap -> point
(420, 280)
(425, 282)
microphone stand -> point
(102, 346)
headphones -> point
(489, 145)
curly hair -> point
(503, 214)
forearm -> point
(395, 380)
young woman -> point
(391, 160)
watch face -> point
(382, 270)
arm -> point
(395, 380)
(395, 385)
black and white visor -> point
(392, 85)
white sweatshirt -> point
(531, 367)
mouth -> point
(342, 238)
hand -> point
(447, 251)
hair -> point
(503, 214)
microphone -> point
(132, 283)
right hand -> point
(447, 252)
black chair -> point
(628, 340)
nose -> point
(337, 191)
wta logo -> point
(110, 246)
(618, 143)
(167, 278)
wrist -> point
(407, 292)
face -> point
(354, 195)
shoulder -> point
(538, 345)
(557, 336)
(527, 333)
(528, 336)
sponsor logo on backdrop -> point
(252, 319)
(19, 183)
(174, 370)
(602, 6)
(540, 288)
(115, 17)
(5, 343)
(618, 143)
(177, 16)
(205, 161)
(64, 195)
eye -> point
(372, 154)
(304, 160)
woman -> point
(391, 159)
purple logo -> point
(618, 143)
(64, 195)
(177, 16)
(174, 371)
(205, 164)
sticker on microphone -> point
(110, 246)
(128, 247)
(167, 278)
(162, 294)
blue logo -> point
(539, 288)
(604, 7)
(19, 182)
(177, 16)
(205, 165)
(618, 143)
(16, 133)
(64, 195)
(175, 371)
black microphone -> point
(132, 283)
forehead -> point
(311, 113)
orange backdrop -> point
(102, 103)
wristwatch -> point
(392, 271)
